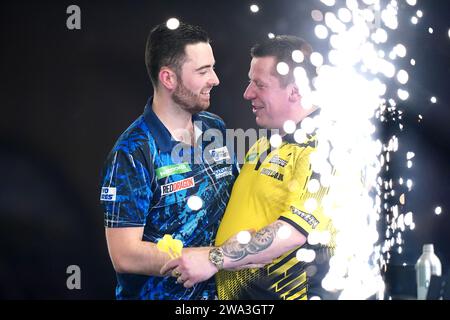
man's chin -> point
(198, 108)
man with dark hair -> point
(151, 188)
(277, 193)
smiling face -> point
(270, 101)
(196, 79)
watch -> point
(216, 257)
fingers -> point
(176, 273)
(172, 264)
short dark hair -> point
(281, 47)
(166, 47)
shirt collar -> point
(162, 136)
(290, 137)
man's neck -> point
(177, 120)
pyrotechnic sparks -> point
(352, 90)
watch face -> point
(216, 257)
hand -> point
(192, 267)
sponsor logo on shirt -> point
(278, 161)
(309, 218)
(177, 186)
(223, 172)
(108, 194)
(272, 174)
(167, 171)
(219, 154)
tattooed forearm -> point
(259, 241)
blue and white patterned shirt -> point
(146, 182)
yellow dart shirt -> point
(273, 184)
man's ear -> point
(294, 94)
(167, 78)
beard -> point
(188, 100)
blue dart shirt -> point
(150, 180)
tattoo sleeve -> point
(260, 241)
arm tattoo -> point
(260, 241)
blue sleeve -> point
(126, 190)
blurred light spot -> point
(414, 20)
(244, 237)
(282, 68)
(409, 184)
(276, 140)
(329, 3)
(173, 23)
(316, 59)
(402, 199)
(403, 94)
(433, 100)
(408, 218)
(321, 31)
(298, 56)
(284, 232)
(310, 205)
(289, 126)
(402, 77)
(195, 203)
(254, 8)
(400, 50)
(270, 35)
(438, 210)
(299, 136)
(313, 186)
(305, 255)
(317, 15)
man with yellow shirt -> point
(277, 193)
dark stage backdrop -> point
(66, 95)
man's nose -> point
(214, 79)
(249, 93)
